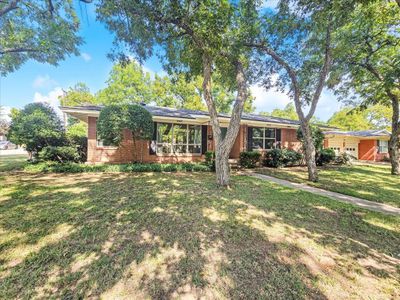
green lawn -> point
(160, 236)
(371, 182)
(12, 162)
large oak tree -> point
(192, 37)
(295, 42)
(368, 72)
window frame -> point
(172, 145)
(380, 146)
(264, 138)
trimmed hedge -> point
(249, 159)
(80, 168)
(277, 158)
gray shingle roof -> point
(191, 114)
(361, 133)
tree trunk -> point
(309, 152)
(224, 146)
(222, 169)
(394, 138)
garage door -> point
(336, 143)
(351, 146)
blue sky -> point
(43, 82)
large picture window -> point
(178, 138)
(263, 138)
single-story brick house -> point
(183, 135)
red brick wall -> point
(126, 151)
(289, 139)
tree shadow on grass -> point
(166, 236)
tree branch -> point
(17, 50)
(291, 72)
(323, 74)
(10, 6)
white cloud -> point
(270, 3)
(5, 113)
(43, 82)
(266, 101)
(51, 98)
(86, 56)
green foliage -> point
(113, 119)
(71, 167)
(39, 31)
(128, 83)
(180, 33)
(277, 158)
(317, 136)
(77, 95)
(60, 154)
(354, 118)
(289, 112)
(139, 121)
(210, 159)
(36, 126)
(111, 122)
(77, 137)
(325, 156)
(249, 159)
(350, 119)
(367, 52)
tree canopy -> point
(129, 83)
(45, 31)
(194, 38)
(36, 126)
(79, 94)
(353, 118)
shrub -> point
(76, 136)
(344, 159)
(210, 160)
(59, 154)
(277, 158)
(70, 167)
(325, 156)
(291, 157)
(249, 159)
(274, 158)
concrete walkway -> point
(375, 206)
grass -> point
(371, 182)
(157, 235)
(12, 162)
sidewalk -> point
(375, 206)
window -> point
(383, 146)
(263, 138)
(178, 138)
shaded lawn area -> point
(370, 182)
(176, 235)
(12, 162)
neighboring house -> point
(183, 135)
(364, 145)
